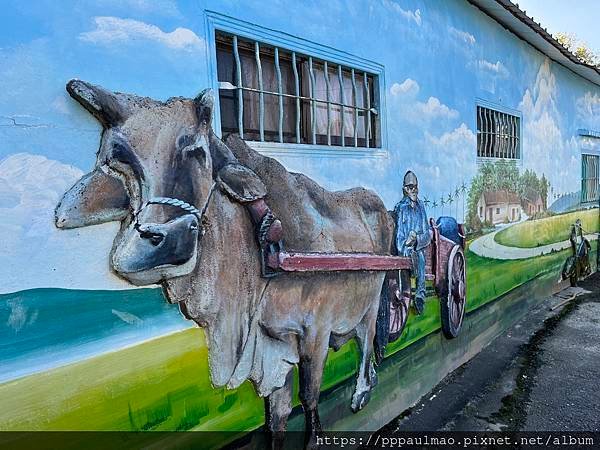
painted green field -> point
(534, 233)
(488, 279)
(163, 384)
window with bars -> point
(498, 134)
(270, 94)
(590, 178)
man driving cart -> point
(413, 235)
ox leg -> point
(312, 360)
(367, 377)
(278, 407)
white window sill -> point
(318, 151)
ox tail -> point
(382, 326)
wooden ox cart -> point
(445, 266)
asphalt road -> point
(541, 374)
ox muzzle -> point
(149, 253)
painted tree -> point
(544, 186)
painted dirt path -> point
(487, 247)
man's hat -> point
(410, 178)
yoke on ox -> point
(190, 207)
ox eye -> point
(185, 141)
(156, 239)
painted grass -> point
(534, 233)
(163, 384)
(488, 279)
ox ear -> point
(106, 106)
(204, 107)
(96, 198)
(241, 183)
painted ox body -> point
(161, 172)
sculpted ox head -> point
(153, 173)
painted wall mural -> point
(180, 206)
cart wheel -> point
(399, 304)
(454, 294)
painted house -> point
(467, 94)
(499, 207)
(532, 202)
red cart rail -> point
(444, 265)
(330, 262)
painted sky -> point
(439, 58)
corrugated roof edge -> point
(518, 18)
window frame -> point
(479, 102)
(583, 180)
(218, 22)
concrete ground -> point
(541, 374)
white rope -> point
(173, 202)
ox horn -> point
(96, 198)
(204, 106)
(106, 106)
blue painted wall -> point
(439, 59)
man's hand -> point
(411, 240)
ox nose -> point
(154, 233)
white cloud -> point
(35, 252)
(545, 149)
(588, 111)
(407, 87)
(404, 97)
(457, 139)
(497, 67)
(461, 35)
(407, 14)
(412, 15)
(114, 29)
(434, 109)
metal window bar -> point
(368, 97)
(355, 108)
(240, 92)
(515, 137)
(485, 132)
(261, 94)
(506, 135)
(343, 101)
(504, 131)
(479, 132)
(593, 178)
(311, 93)
(487, 128)
(279, 91)
(297, 86)
(498, 135)
(328, 89)
(513, 147)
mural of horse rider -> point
(413, 235)
(577, 265)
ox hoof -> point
(360, 401)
